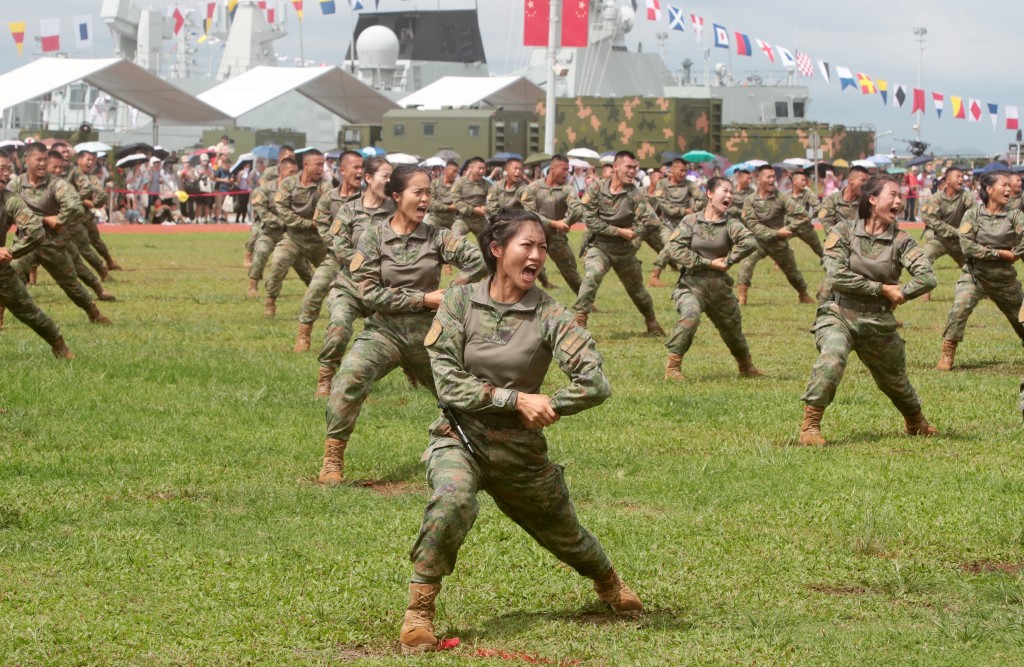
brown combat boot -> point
(95, 316)
(804, 297)
(113, 266)
(254, 289)
(248, 260)
(581, 320)
(741, 294)
(655, 279)
(60, 349)
(672, 368)
(747, 368)
(617, 594)
(927, 296)
(948, 356)
(104, 295)
(653, 328)
(302, 341)
(332, 472)
(104, 274)
(916, 424)
(323, 382)
(810, 430)
(417, 635)
(270, 307)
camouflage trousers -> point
(810, 237)
(372, 357)
(664, 256)
(319, 286)
(653, 236)
(1004, 290)
(463, 226)
(344, 308)
(783, 255)
(561, 253)
(512, 467)
(937, 246)
(18, 302)
(709, 292)
(292, 247)
(77, 243)
(599, 261)
(254, 236)
(97, 242)
(53, 255)
(838, 331)
(263, 250)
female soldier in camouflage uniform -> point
(706, 244)
(992, 239)
(490, 347)
(396, 269)
(864, 259)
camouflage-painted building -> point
(775, 143)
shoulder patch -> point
(675, 234)
(966, 227)
(573, 342)
(434, 333)
(453, 243)
(585, 199)
(336, 226)
(357, 261)
(914, 254)
(822, 213)
(831, 240)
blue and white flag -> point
(721, 37)
(83, 31)
(675, 19)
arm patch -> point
(675, 234)
(453, 243)
(357, 261)
(831, 240)
(336, 226)
(434, 333)
(965, 227)
(572, 343)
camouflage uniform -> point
(499, 198)
(79, 232)
(441, 197)
(13, 295)
(343, 304)
(765, 217)
(812, 205)
(858, 318)
(604, 213)
(942, 216)
(835, 209)
(558, 202)
(392, 274)
(269, 175)
(93, 228)
(294, 204)
(653, 235)
(54, 196)
(1015, 202)
(739, 200)
(270, 231)
(327, 272)
(985, 274)
(674, 201)
(467, 195)
(479, 355)
(694, 243)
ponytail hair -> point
(401, 177)
(988, 179)
(500, 230)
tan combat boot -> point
(270, 307)
(948, 356)
(254, 289)
(810, 429)
(653, 328)
(60, 349)
(113, 266)
(741, 294)
(804, 297)
(655, 279)
(104, 274)
(104, 295)
(916, 424)
(617, 594)
(332, 472)
(248, 260)
(323, 382)
(95, 316)
(417, 635)
(747, 368)
(302, 341)
(672, 368)
(927, 296)
(581, 320)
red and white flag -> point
(698, 26)
(272, 11)
(803, 64)
(1011, 118)
(653, 10)
(49, 33)
(974, 110)
(766, 49)
(179, 20)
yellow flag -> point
(17, 29)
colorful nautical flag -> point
(232, 8)
(1011, 118)
(575, 23)
(327, 7)
(357, 6)
(83, 31)
(17, 29)
(918, 101)
(883, 90)
(721, 37)
(653, 10)
(803, 64)
(825, 74)
(958, 106)
(49, 32)
(179, 20)
(766, 49)
(974, 111)
(742, 44)
(786, 58)
(271, 11)
(675, 19)
(845, 78)
(535, 22)
(298, 8)
(993, 114)
(936, 101)
(899, 95)
(867, 86)
(698, 26)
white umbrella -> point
(11, 143)
(92, 147)
(242, 159)
(402, 158)
(131, 160)
(756, 163)
(880, 160)
(577, 163)
(584, 153)
(433, 162)
(867, 164)
(798, 162)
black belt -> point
(705, 272)
(844, 301)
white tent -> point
(332, 88)
(118, 78)
(515, 93)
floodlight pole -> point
(549, 101)
(919, 37)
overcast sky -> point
(971, 51)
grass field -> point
(158, 503)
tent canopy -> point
(515, 93)
(332, 88)
(118, 78)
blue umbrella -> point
(502, 158)
(267, 152)
(736, 167)
(373, 151)
(924, 159)
(993, 166)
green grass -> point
(158, 504)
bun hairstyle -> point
(988, 179)
(372, 165)
(501, 229)
(401, 177)
(873, 188)
(715, 181)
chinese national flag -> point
(575, 20)
(535, 22)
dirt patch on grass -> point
(829, 589)
(388, 488)
(176, 494)
(986, 566)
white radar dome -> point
(627, 19)
(377, 46)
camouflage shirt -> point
(467, 195)
(765, 216)
(351, 220)
(604, 212)
(677, 200)
(1016, 202)
(552, 202)
(982, 234)
(942, 214)
(269, 176)
(262, 201)
(839, 246)
(14, 211)
(531, 333)
(440, 199)
(739, 241)
(739, 199)
(87, 187)
(834, 209)
(327, 210)
(499, 198)
(53, 196)
(295, 203)
(808, 200)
